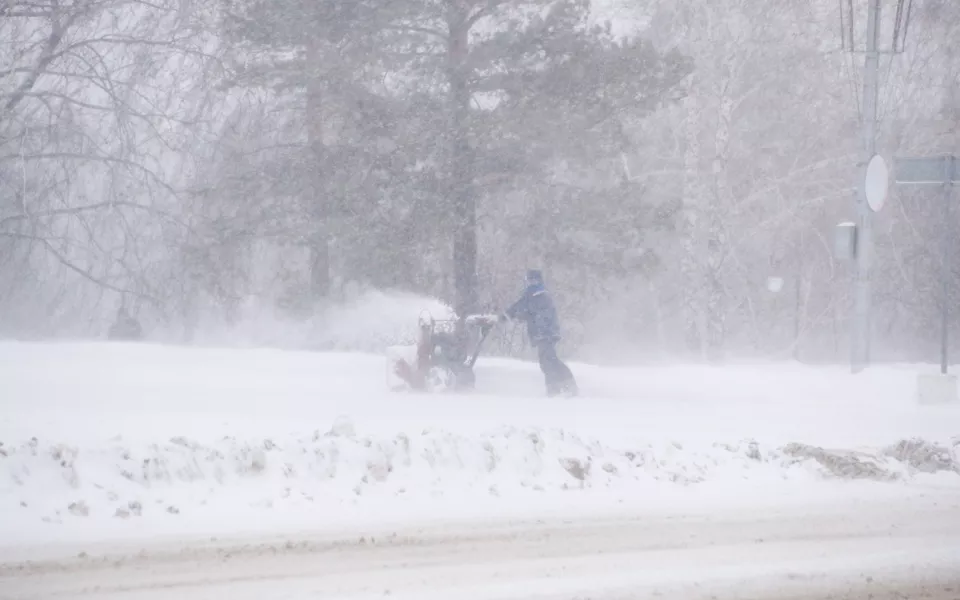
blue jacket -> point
(536, 309)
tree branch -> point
(415, 29)
(82, 272)
(482, 12)
(81, 156)
(75, 210)
(48, 55)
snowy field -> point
(114, 449)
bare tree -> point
(99, 100)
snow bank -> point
(321, 476)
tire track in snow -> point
(848, 552)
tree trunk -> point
(316, 198)
(716, 236)
(462, 190)
(798, 298)
(692, 259)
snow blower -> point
(446, 352)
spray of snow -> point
(370, 322)
(377, 320)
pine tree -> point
(492, 89)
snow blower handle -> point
(485, 323)
(484, 320)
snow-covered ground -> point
(105, 440)
(107, 445)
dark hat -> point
(534, 276)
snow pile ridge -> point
(123, 479)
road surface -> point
(879, 551)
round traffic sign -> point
(876, 183)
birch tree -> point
(741, 156)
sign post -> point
(943, 171)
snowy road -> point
(870, 550)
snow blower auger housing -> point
(446, 352)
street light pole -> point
(860, 338)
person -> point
(125, 328)
(535, 307)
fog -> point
(254, 170)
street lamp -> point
(872, 177)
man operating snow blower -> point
(445, 353)
(536, 309)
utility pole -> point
(860, 338)
(946, 274)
